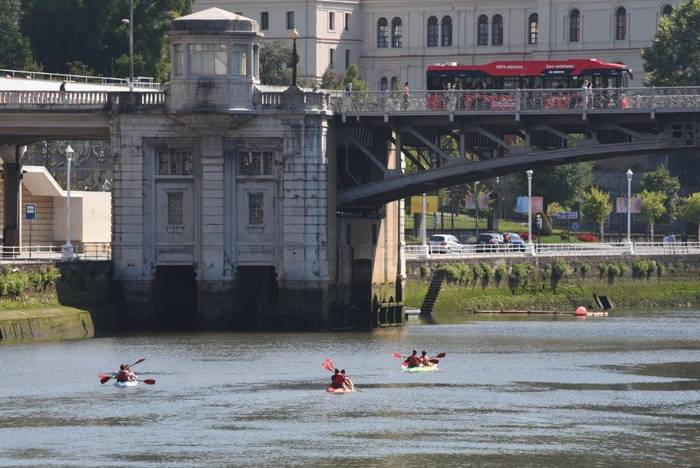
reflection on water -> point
(526, 392)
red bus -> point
(529, 74)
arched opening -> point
(497, 30)
(533, 29)
(432, 39)
(175, 298)
(382, 33)
(383, 83)
(667, 10)
(574, 26)
(396, 38)
(446, 31)
(621, 24)
(482, 30)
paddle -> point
(330, 367)
(399, 355)
(148, 381)
(104, 378)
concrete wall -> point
(42, 232)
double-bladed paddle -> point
(104, 378)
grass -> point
(462, 221)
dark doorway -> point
(175, 298)
(257, 296)
(361, 292)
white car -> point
(444, 243)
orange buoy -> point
(580, 310)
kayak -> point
(126, 384)
(432, 368)
(339, 390)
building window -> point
(621, 24)
(396, 38)
(264, 20)
(667, 10)
(240, 60)
(347, 58)
(175, 209)
(383, 84)
(178, 60)
(331, 21)
(574, 26)
(174, 162)
(447, 31)
(533, 28)
(255, 209)
(482, 31)
(254, 163)
(346, 26)
(382, 33)
(207, 59)
(497, 30)
(432, 31)
(290, 20)
(331, 58)
(394, 83)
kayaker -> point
(425, 360)
(347, 383)
(337, 379)
(124, 374)
(413, 360)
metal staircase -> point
(433, 292)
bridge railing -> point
(420, 251)
(90, 100)
(54, 253)
(307, 101)
(145, 82)
(519, 101)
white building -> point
(395, 40)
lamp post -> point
(130, 22)
(529, 211)
(68, 247)
(629, 201)
(476, 206)
(294, 35)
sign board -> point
(537, 205)
(30, 211)
(635, 205)
(575, 226)
(483, 201)
(566, 215)
(431, 204)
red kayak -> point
(339, 390)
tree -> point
(596, 207)
(560, 184)
(652, 208)
(661, 180)
(333, 80)
(275, 58)
(690, 210)
(15, 50)
(672, 59)
(352, 75)
(97, 38)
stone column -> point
(10, 155)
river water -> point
(621, 390)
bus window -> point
(511, 82)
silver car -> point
(444, 243)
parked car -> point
(444, 243)
(516, 241)
(489, 242)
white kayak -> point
(420, 368)
(132, 383)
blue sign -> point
(566, 215)
(30, 211)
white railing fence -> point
(54, 253)
(145, 82)
(424, 251)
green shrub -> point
(602, 270)
(486, 274)
(660, 269)
(584, 269)
(517, 277)
(613, 271)
(559, 271)
(639, 269)
(651, 267)
(622, 268)
(424, 271)
(500, 273)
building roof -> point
(214, 20)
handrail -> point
(139, 82)
(54, 253)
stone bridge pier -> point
(11, 178)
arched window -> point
(396, 40)
(574, 26)
(482, 30)
(432, 31)
(667, 10)
(446, 31)
(394, 83)
(497, 30)
(533, 29)
(621, 24)
(382, 33)
(383, 83)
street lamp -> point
(476, 206)
(130, 22)
(529, 209)
(629, 200)
(294, 35)
(68, 247)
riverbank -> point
(44, 324)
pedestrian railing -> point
(516, 101)
(426, 251)
(54, 253)
(145, 82)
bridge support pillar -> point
(11, 193)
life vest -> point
(122, 376)
(338, 380)
(413, 361)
